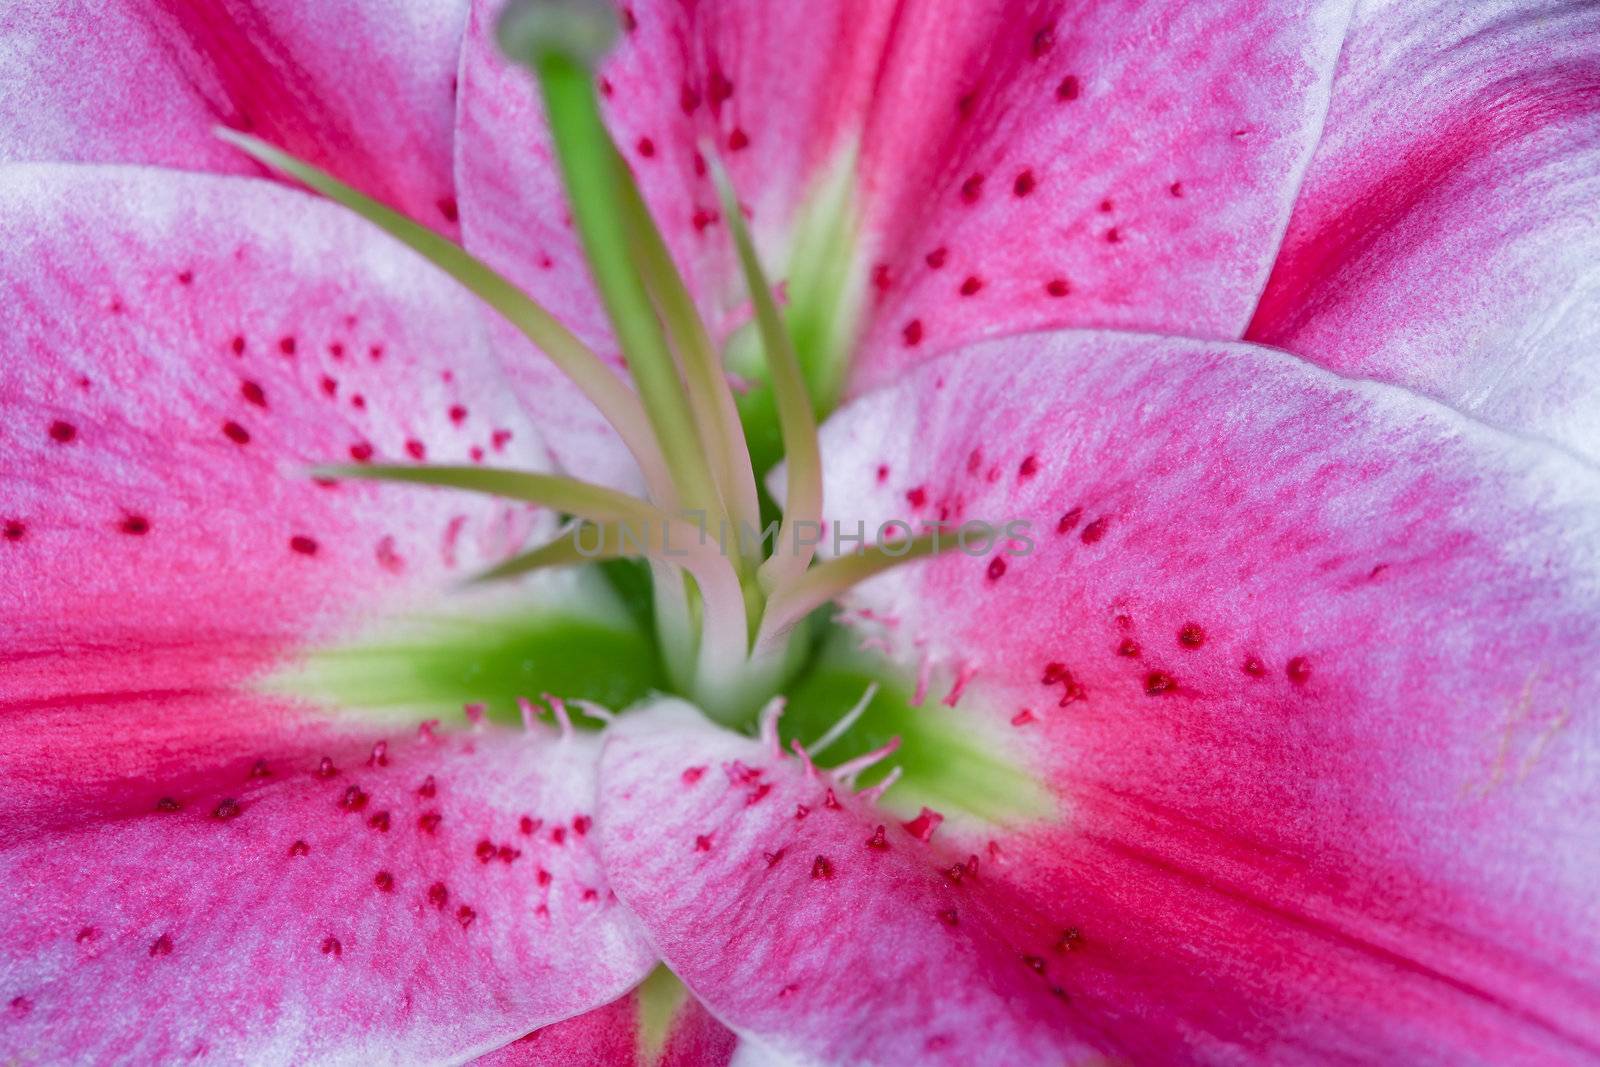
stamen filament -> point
(605, 389)
(828, 580)
(709, 393)
(796, 418)
(724, 628)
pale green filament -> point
(796, 419)
(827, 581)
(709, 394)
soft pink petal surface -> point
(179, 348)
(610, 1037)
(1310, 665)
(1446, 238)
(799, 926)
(364, 91)
(406, 903)
(1068, 163)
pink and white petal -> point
(144, 81)
(777, 89)
(1308, 662)
(613, 1036)
(1064, 163)
(177, 350)
(1445, 239)
(409, 900)
(767, 889)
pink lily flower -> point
(1273, 743)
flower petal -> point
(177, 351)
(121, 81)
(406, 902)
(1310, 663)
(625, 1033)
(1058, 164)
(780, 906)
(1445, 239)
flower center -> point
(732, 576)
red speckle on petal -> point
(912, 333)
(458, 414)
(1024, 184)
(1158, 682)
(428, 822)
(1095, 530)
(63, 433)
(702, 842)
(416, 449)
(379, 822)
(971, 286)
(287, 346)
(738, 140)
(1023, 717)
(485, 851)
(821, 868)
(1028, 467)
(236, 433)
(449, 208)
(299, 848)
(1067, 88)
(1044, 39)
(14, 530)
(1128, 648)
(1057, 287)
(226, 809)
(917, 497)
(353, 799)
(237, 344)
(688, 99)
(1254, 667)
(1176, 189)
(87, 933)
(332, 947)
(1069, 521)
(465, 915)
(936, 258)
(305, 546)
(134, 525)
(878, 842)
(948, 917)
(253, 393)
(691, 775)
(161, 946)
(645, 147)
(428, 787)
(1191, 636)
(384, 881)
(1113, 235)
(997, 568)
(325, 768)
(972, 188)
(1298, 670)
(438, 895)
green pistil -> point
(591, 170)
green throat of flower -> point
(732, 575)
